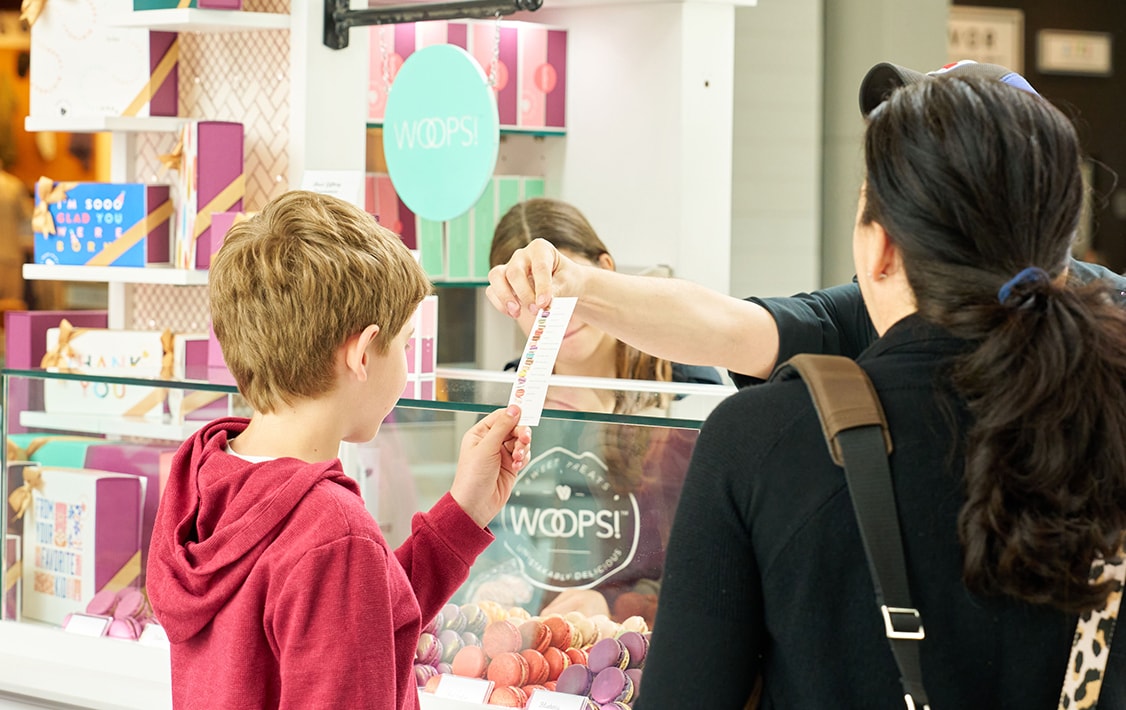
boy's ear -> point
(356, 351)
(606, 261)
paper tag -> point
(472, 690)
(154, 635)
(348, 185)
(550, 700)
(538, 359)
(87, 624)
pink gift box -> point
(211, 181)
(382, 201)
(81, 534)
(25, 333)
(542, 79)
(12, 578)
(142, 461)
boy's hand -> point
(531, 277)
(492, 453)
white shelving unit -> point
(141, 427)
(102, 124)
(191, 19)
(117, 274)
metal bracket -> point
(339, 17)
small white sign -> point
(1068, 52)
(154, 635)
(347, 185)
(550, 700)
(471, 690)
(986, 34)
(87, 624)
(537, 359)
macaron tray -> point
(594, 658)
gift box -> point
(121, 353)
(26, 336)
(13, 582)
(210, 164)
(142, 461)
(530, 71)
(82, 66)
(101, 224)
(81, 534)
(382, 201)
(422, 350)
(190, 362)
(40, 449)
(202, 4)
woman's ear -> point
(356, 351)
(605, 261)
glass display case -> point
(584, 530)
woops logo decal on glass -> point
(566, 526)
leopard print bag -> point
(1090, 649)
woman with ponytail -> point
(1004, 383)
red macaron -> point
(500, 637)
(508, 669)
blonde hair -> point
(291, 284)
(567, 229)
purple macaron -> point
(610, 685)
(608, 653)
(575, 679)
(637, 646)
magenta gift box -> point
(382, 201)
(25, 333)
(142, 461)
(211, 181)
(12, 580)
(82, 534)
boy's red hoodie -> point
(277, 589)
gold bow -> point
(173, 160)
(158, 394)
(60, 356)
(49, 193)
(30, 10)
(20, 499)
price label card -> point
(550, 700)
(348, 185)
(154, 635)
(86, 624)
(538, 359)
(472, 690)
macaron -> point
(557, 661)
(508, 669)
(575, 680)
(607, 627)
(537, 666)
(500, 637)
(577, 655)
(534, 634)
(475, 618)
(468, 638)
(102, 604)
(508, 697)
(517, 614)
(470, 662)
(637, 646)
(586, 633)
(531, 688)
(431, 684)
(428, 650)
(130, 603)
(452, 618)
(608, 653)
(444, 667)
(611, 684)
(635, 623)
(493, 610)
(615, 705)
(562, 633)
(126, 628)
(434, 625)
(635, 675)
(423, 673)
(451, 643)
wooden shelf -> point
(103, 124)
(191, 19)
(165, 275)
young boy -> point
(273, 582)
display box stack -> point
(530, 72)
(13, 579)
(422, 351)
(117, 353)
(83, 67)
(101, 224)
(457, 250)
(209, 162)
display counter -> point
(584, 531)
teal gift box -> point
(101, 224)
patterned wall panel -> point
(183, 309)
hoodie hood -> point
(217, 516)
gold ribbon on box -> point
(156, 79)
(113, 251)
(15, 453)
(30, 10)
(11, 577)
(49, 192)
(195, 400)
(20, 499)
(172, 161)
(59, 356)
(125, 576)
(158, 394)
(223, 202)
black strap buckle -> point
(900, 623)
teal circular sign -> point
(441, 132)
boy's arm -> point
(333, 623)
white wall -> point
(776, 173)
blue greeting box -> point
(101, 224)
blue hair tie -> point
(1030, 275)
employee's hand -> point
(492, 454)
(531, 277)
